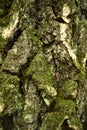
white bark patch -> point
(72, 52)
(63, 38)
(63, 34)
(65, 13)
(2, 105)
(15, 50)
(10, 29)
(66, 10)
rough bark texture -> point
(43, 53)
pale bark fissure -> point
(43, 54)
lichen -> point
(25, 48)
(72, 50)
(9, 93)
(42, 75)
(52, 121)
(12, 27)
(55, 120)
(65, 107)
(68, 89)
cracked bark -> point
(43, 54)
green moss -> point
(6, 79)
(35, 38)
(64, 103)
(67, 88)
(65, 106)
(80, 59)
(41, 71)
(82, 70)
(39, 66)
(81, 67)
(9, 91)
(52, 121)
(42, 75)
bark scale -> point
(43, 54)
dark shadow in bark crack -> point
(65, 126)
(7, 122)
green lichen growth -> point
(64, 102)
(52, 121)
(40, 70)
(68, 88)
(82, 69)
(55, 120)
(9, 93)
(34, 38)
(7, 79)
(66, 107)
(42, 74)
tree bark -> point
(43, 54)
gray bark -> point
(43, 54)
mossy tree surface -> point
(43, 55)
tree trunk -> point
(43, 53)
